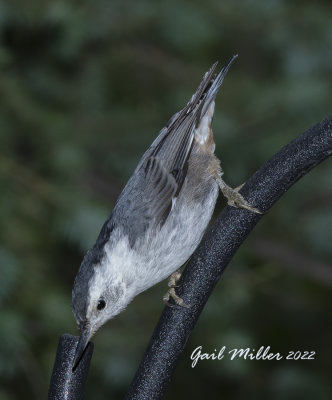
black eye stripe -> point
(101, 304)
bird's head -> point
(97, 296)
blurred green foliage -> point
(84, 88)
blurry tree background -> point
(85, 86)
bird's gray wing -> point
(173, 144)
(160, 188)
(147, 199)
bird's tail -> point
(212, 91)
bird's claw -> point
(173, 279)
(234, 198)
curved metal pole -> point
(217, 248)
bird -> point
(159, 217)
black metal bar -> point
(67, 384)
(217, 248)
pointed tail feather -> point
(213, 90)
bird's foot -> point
(172, 284)
(234, 198)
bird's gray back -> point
(147, 199)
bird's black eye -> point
(101, 304)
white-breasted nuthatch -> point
(159, 218)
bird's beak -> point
(81, 345)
